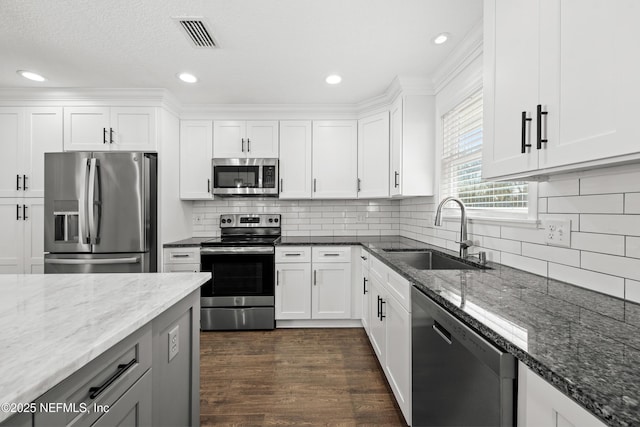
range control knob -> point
(270, 219)
(224, 221)
(276, 220)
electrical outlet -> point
(361, 218)
(198, 219)
(174, 340)
(558, 232)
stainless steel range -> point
(240, 294)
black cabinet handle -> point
(281, 185)
(524, 144)
(18, 182)
(248, 145)
(18, 213)
(97, 391)
(378, 315)
(358, 185)
(395, 179)
(110, 135)
(315, 281)
(243, 145)
(382, 316)
(208, 185)
(277, 277)
(24, 182)
(314, 185)
(540, 113)
(364, 285)
(104, 135)
(24, 212)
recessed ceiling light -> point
(333, 79)
(31, 75)
(441, 38)
(187, 78)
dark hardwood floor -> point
(293, 377)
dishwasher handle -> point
(444, 334)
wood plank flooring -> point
(293, 377)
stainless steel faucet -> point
(464, 242)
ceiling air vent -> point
(196, 30)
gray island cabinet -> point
(134, 367)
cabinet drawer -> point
(378, 269)
(181, 268)
(293, 254)
(365, 258)
(102, 381)
(331, 254)
(400, 288)
(182, 255)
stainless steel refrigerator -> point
(100, 212)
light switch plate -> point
(174, 341)
(557, 232)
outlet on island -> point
(174, 341)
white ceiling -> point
(271, 51)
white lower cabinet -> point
(22, 246)
(181, 260)
(390, 331)
(313, 283)
(542, 405)
(365, 292)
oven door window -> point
(238, 275)
(236, 176)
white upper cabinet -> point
(373, 156)
(335, 159)
(234, 139)
(196, 151)
(110, 128)
(412, 130)
(26, 134)
(295, 159)
(557, 94)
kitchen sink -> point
(429, 260)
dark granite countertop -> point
(585, 343)
(186, 243)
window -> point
(462, 162)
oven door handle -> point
(246, 250)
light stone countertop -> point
(52, 325)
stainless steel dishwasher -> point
(459, 378)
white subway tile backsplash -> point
(632, 290)
(542, 205)
(503, 245)
(603, 243)
(574, 218)
(615, 265)
(531, 265)
(625, 182)
(604, 203)
(484, 229)
(611, 224)
(531, 235)
(604, 283)
(632, 247)
(569, 187)
(551, 253)
(632, 203)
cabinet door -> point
(373, 156)
(86, 129)
(134, 129)
(11, 135)
(33, 212)
(589, 84)
(395, 183)
(511, 65)
(43, 135)
(12, 242)
(377, 334)
(229, 139)
(293, 291)
(397, 361)
(335, 159)
(331, 291)
(295, 160)
(262, 139)
(366, 296)
(133, 409)
(196, 151)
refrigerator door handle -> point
(103, 261)
(91, 202)
(84, 203)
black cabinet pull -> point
(18, 182)
(281, 185)
(314, 185)
(364, 285)
(248, 145)
(24, 212)
(358, 185)
(382, 316)
(378, 315)
(122, 368)
(104, 135)
(525, 119)
(395, 179)
(110, 135)
(208, 185)
(277, 277)
(539, 127)
(24, 182)
(243, 145)
(18, 213)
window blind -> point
(462, 162)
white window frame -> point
(448, 98)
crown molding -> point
(469, 49)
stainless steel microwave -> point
(245, 177)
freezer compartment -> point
(98, 263)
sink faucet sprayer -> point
(464, 242)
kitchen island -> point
(112, 330)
